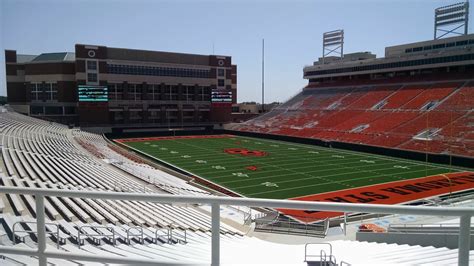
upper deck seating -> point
(390, 116)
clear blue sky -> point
(292, 31)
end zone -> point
(387, 193)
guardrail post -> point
(216, 216)
(40, 228)
(345, 223)
(464, 240)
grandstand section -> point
(412, 99)
(40, 154)
(394, 121)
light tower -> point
(452, 19)
(333, 43)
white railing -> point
(463, 212)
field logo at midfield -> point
(252, 168)
(245, 152)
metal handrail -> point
(464, 213)
(441, 225)
(322, 257)
(139, 234)
(98, 234)
(33, 231)
(168, 234)
(420, 229)
(170, 230)
(290, 226)
(321, 252)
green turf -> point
(295, 169)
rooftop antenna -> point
(451, 20)
(333, 43)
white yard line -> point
(311, 158)
(339, 174)
(362, 154)
(315, 185)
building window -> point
(115, 91)
(174, 93)
(51, 91)
(153, 92)
(220, 82)
(135, 115)
(158, 71)
(204, 94)
(221, 72)
(91, 77)
(53, 110)
(92, 72)
(36, 110)
(36, 91)
(69, 110)
(135, 92)
(188, 93)
(91, 65)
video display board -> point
(88, 93)
(221, 96)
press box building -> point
(115, 88)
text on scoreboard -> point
(89, 93)
(221, 96)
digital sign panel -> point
(89, 93)
(221, 96)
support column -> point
(216, 216)
(345, 223)
(40, 228)
(464, 240)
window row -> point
(439, 46)
(162, 117)
(52, 110)
(157, 71)
(157, 93)
(419, 62)
(44, 91)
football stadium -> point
(116, 156)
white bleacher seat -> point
(17, 205)
(2, 204)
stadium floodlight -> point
(333, 43)
(452, 19)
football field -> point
(274, 169)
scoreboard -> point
(88, 93)
(221, 96)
